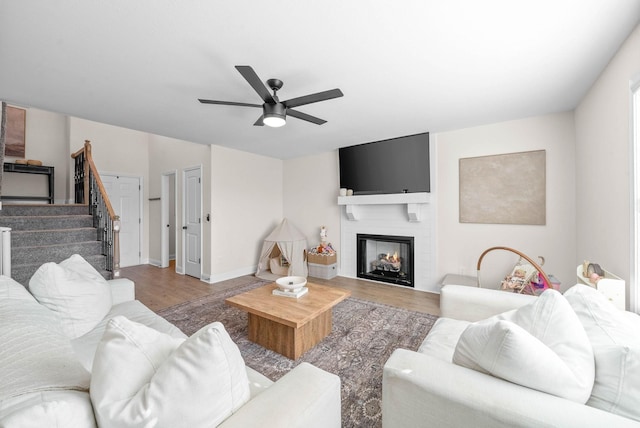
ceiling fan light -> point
(274, 121)
(274, 115)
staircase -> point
(50, 233)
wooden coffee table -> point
(287, 325)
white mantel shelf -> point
(411, 200)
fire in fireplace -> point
(386, 258)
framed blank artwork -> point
(504, 189)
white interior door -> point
(124, 194)
(192, 220)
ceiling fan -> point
(274, 111)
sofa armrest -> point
(122, 290)
(466, 303)
(421, 391)
(306, 397)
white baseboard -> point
(212, 279)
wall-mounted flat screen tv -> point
(397, 165)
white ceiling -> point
(404, 66)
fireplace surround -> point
(410, 215)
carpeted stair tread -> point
(47, 252)
(27, 238)
(9, 210)
(96, 260)
(46, 222)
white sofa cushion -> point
(85, 346)
(143, 377)
(49, 408)
(75, 291)
(615, 337)
(442, 338)
(541, 346)
(35, 355)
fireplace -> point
(385, 258)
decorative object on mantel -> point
(503, 189)
(15, 131)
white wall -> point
(311, 203)
(603, 161)
(460, 244)
(246, 204)
(46, 136)
(311, 194)
(169, 155)
(116, 150)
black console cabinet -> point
(32, 169)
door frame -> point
(165, 204)
(184, 216)
(140, 205)
(634, 131)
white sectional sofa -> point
(593, 371)
(47, 380)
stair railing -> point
(89, 190)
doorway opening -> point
(168, 227)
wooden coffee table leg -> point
(289, 341)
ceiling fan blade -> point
(259, 122)
(313, 98)
(299, 115)
(255, 82)
(229, 103)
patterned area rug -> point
(363, 337)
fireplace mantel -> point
(411, 200)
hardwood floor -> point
(159, 288)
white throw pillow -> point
(79, 298)
(142, 377)
(79, 265)
(541, 346)
(615, 337)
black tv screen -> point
(398, 165)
